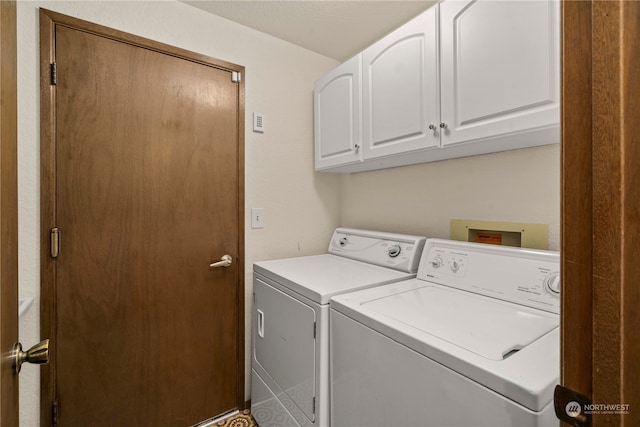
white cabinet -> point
(400, 89)
(463, 78)
(499, 70)
(337, 117)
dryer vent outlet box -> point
(534, 236)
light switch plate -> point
(257, 217)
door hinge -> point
(571, 407)
(314, 405)
(315, 328)
(236, 76)
(55, 242)
(54, 413)
(54, 74)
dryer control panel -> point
(398, 251)
(523, 276)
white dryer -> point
(472, 341)
(290, 354)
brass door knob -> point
(39, 354)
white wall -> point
(301, 207)
(515, 186)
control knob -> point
(552, 283)
(394, 251)
(436, 262)
(343, 241)
(455, 265)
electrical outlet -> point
(257, 217)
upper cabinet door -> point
(337, 103)
(400, 89)
(500, 68)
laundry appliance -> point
(472, 341)
(290, 354)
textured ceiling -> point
(337, 29)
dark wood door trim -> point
(616, 208)
(48, 22)
(630, 215)
(8, 212)
(608, 187)
(78, 24)
(601, 205)
(47, 215)
(577, 198)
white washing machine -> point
(290, 357)
(472, 341)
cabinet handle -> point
(443, 125)
(432, 126)
(357, 147)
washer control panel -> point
(449, 262)
(398, 251)
(523, 276)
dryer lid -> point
(490, 328)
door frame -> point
(48, 22)
(600, 230)
(9, 408)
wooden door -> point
(400, 89)
(146, 193)
(8, 214)
(500, 70)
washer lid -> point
(468, 333)
(485, 326)
(319, 277)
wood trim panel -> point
(8, 212)
(47, 213)
(78, 24)
(607, 199)
(630, 236)
(576, 227)
(616, 208)
(240, 399)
